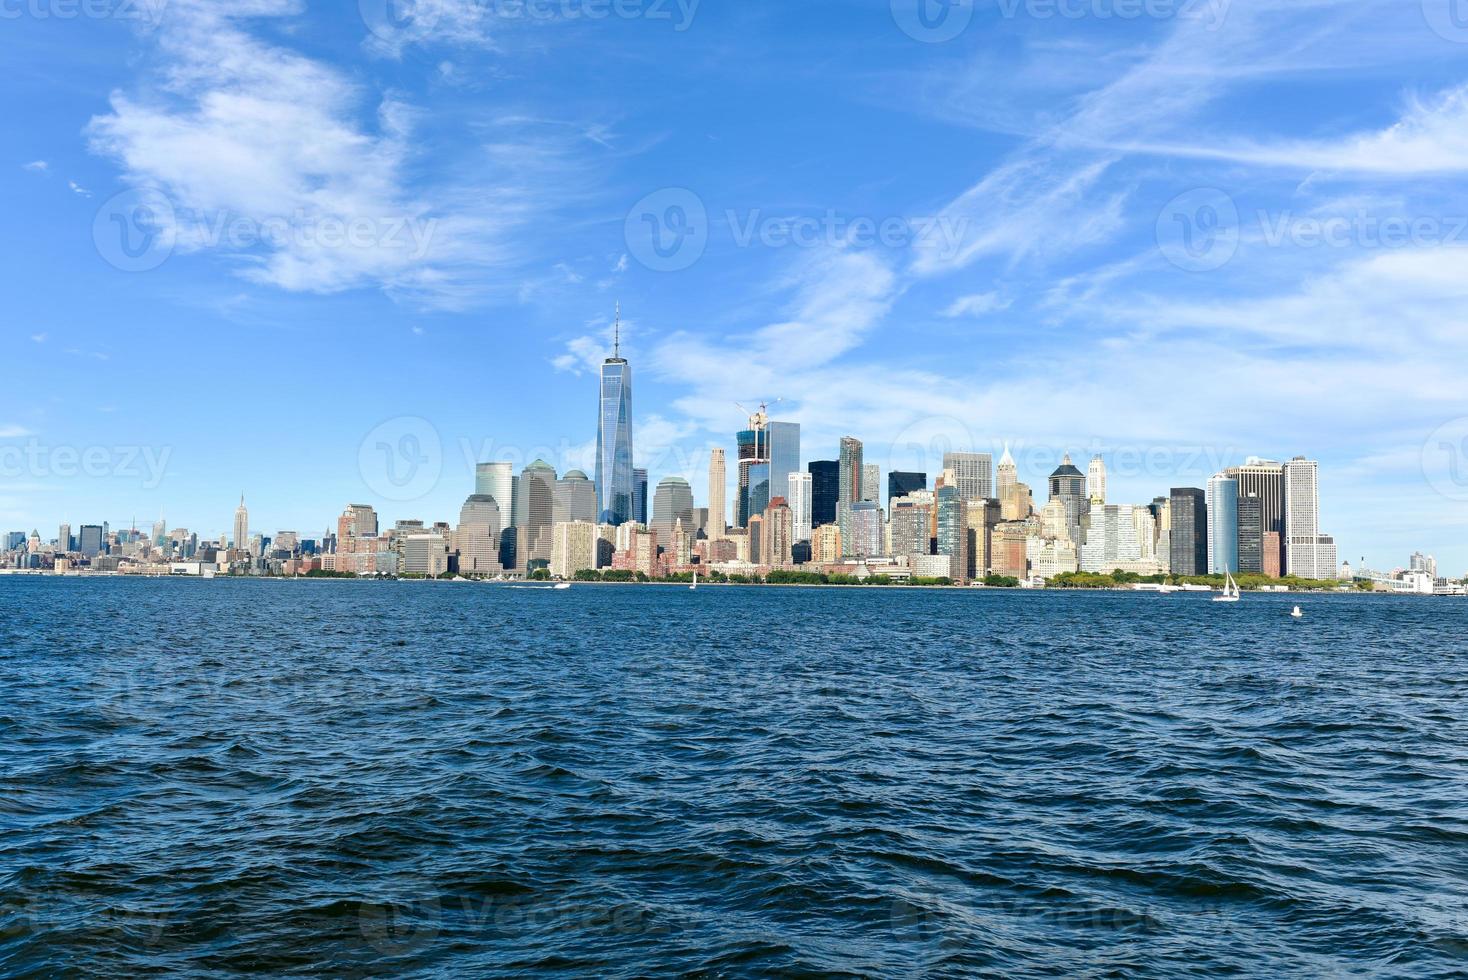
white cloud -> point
(14, 432)
(245, 129)
(78, 189)
(976, 304)
(39, 338)
(36, 166)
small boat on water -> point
(1230, 590)
(1296, 614)
(562, 585)
(695, 582)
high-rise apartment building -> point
(900, 484)
(798, 496)
(718, 513)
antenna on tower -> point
(617, 335)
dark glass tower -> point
(1251, 535)
(900, 484)
(825, 479)
(1189, 542)
(639, 495)
(614, 437)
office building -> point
(1264, 479)
(1251, 536)
(1223, 525)
(477, 538)
(496, 480)
(575, 499)
(241, 525)
(952, 536)
(614, 437)
(1188, 507)
(639, 495)
(864, 540)
(900, 484)
(537, 515)
(671, 504)
(573, 548)
(973, 473)
(825, 483)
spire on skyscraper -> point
(617, 332)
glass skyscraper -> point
(825, 477)
(614, 440)
(1223, 525)
(1189, 540)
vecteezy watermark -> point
(139, 229)
(401, 459)
(1202, 230)
(1447, 18)
(146, 464)
(395, 21)
(1445, 459)
(926, 446)
(1198, 231)
(936, 21)
(148, 12)
(670, 229)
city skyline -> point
(1111, 260)
(1261, 517)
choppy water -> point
(338, 778)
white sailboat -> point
(1230, 590)
(1296, 613)
(695, 581)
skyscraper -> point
(849, 487)
(900, 484)
(952, 537)
(798, 496)
(538, 493)
(1308, 553)
(1251, 536)
(497, 480)
(784, 454)
(477, 538)
(825, 483)
(974, 473)
(639, 495)
(865, 538)
(91, 541)
(1068, 485)
(718, 514)
(614, 437)
(241, 525)
(754, 468)
(1223, 525)
(1264, 478)
(575, 499)
(871, 483)
(1188, 509)
(671, 504)
(1096, 480)
(63, 538)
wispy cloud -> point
(976, 304)
(36, 166)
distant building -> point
(672, 503)
(1251, 536)
(900, 484)
(241, 525)
(909, 522)
(1308, 553)
(639, 495)
(573, 548)
(535, 517)
(718, 519)
(825, 484)
(1189, 538)
(575, 499)
(798, 496)
(825, 544)
(1264, 479)
(614, 475)
(952, 537)
(865, 522)
(1096, 481)
(974, 473)
(1223, 525)
(1068, 485)
(425, 554)
(871, 483)
(477, 538)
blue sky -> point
(368, 245)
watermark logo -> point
(136, 230)
(1445, 460)
(925, 445)
(668, 230)
(1198, 231)
(1447, 18)
(395, 20)
(146, 12)
(139, 229)
(932, 21)
(401, 459)
(403, 924)
(146, 465)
